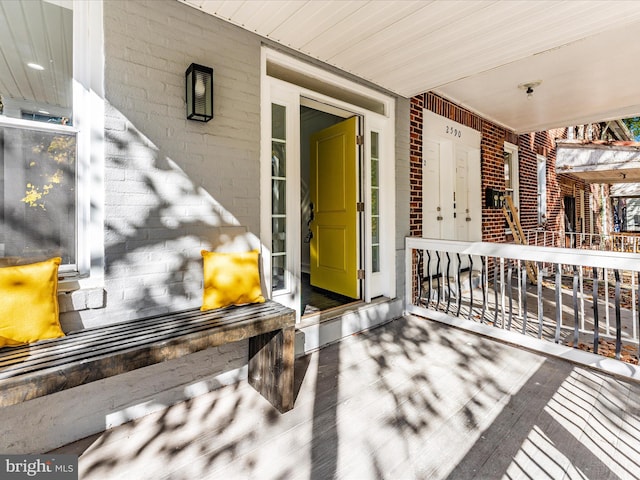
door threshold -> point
(333, 312)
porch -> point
(410, 399)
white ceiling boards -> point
(475, 52)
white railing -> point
(617, 242)
(587, 299)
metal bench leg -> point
(271, 363)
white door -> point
(451, 180)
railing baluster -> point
(540, 311)
(633, 302)
(502, 294)
(459, 302)
(438, 274)
(495, 291)
(523, 287)
(509, 273)
(429, 277)
(483, 281)
(576, 317)
(558, 301)
(606, 301)
(581, 280)
(420, 277)
(448, 283)
(616, 272)
(470, 287)
(596, 320)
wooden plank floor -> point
(412, 399)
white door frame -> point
(289, 94)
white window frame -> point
(88, 125)
(88, 110)
(541, 166)
(514, 172)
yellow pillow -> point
(29, 303)
(230, 279)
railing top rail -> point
(566, 256)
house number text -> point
(453, 131)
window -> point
(375, 204)
(542, 191)
(51, 81)
(38, 142)
(278, 196)
(510, 163)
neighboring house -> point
(462, 165)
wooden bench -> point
(95, 353)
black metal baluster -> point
(558, 301)
(420, 277)
(540, 310)
(438, 274)
(576, 326)
(459, 302)
(616, 272)
(483, 283)
(495, 290)
(448, 283)
(429, 278)
(509, 273)
(523, 287)
(470, 287)
(596, 320)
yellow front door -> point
(334, 195)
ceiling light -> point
(35, 66)
(44, 112)
(529, 87)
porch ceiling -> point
(474, 52)
(599, 162)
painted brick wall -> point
(169, 180)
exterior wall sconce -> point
(199, 82)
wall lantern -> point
(199, 82)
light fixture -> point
(199, 82)
(529, 86)
(35, 66)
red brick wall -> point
(492, 169)
(558, 185)
(492, 146)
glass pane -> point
(278, 204)
(507, 170)
(375, 203)
(375, 206)
(375, 232)
(279, 235)
(375, 263)
(37, 195)
(36, 69)
(374, 145)
(375, 180)
(278, 123)
(278, 272)
(278, 159)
